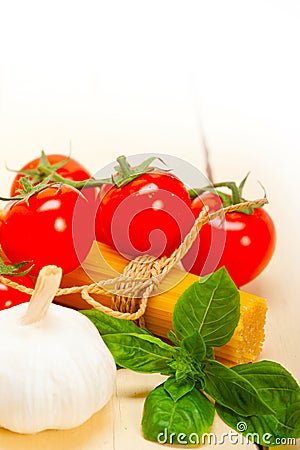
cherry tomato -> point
(11, 297)
(55, 226)
(71, 170)
(243, 243)
(149, 215)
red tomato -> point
(149, 215)
(243, 243)
(71, 170)
(54, 227)
(11, 297)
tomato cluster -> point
(154, 212)
(57, 211)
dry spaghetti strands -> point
(244, 346)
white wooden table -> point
(117, 426)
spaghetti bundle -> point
(104, 263)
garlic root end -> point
(47, 283)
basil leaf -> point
(274, 383)
(184, 421)
(210, 353)
(173, 338)
(177, 390)
(232, 390)
(187, 361)
(183, 368)
(141, 352)
(210, 307)
(280, 391)
(266, 430)
(194, 346)
(106, 324)
(14, 269)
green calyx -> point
(28, 188)
(126, 173)
(234, 198)
(44, 170)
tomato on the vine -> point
(149, 215)
(243, 243)
(41, 167)
(52, 226)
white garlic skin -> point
(55, 373)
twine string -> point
(141, 277)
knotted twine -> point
(141, 277)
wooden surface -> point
(117, 425)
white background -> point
(108, 78)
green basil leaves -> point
(280, 392)
(230, 389)
(210, 306)
(263, 396)
(140, 352)
(183, 420)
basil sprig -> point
(14, 270)
(263, 396)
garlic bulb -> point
(55, 370)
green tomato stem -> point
(236, 198)
(124, 168)
(90, 182)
